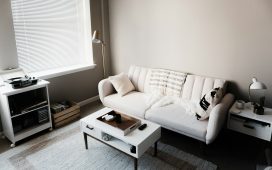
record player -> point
(17, 78)
(20, 82)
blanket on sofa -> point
(157, 100)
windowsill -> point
(60, 72)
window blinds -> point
(52, 34)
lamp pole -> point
(103, 58)
(96, 40)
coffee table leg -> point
(135, 163)
(85, 140)
(155, 149)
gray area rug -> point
(64, 149)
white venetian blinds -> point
(52, 34)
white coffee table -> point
(142, 140)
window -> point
(52, 36)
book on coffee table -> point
(125, 126)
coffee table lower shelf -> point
(135, 159)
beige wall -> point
(231, 39)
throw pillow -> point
(174, 84)
(157, 81)
(122, 84)
(207, 102)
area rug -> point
(64, 149)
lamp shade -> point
(257, 85)
(95, 38)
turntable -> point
(20, 82)
(17, 78)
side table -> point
(247, 122)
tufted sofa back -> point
(196, 86)
(137, 76)
(193, 89)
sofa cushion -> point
(174, 117)
(133, 103)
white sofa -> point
(172, 116)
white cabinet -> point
(247, 122)
(25, 111)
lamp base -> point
(259, 110)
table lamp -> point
(257, 85)
(96, 40)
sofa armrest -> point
(105, 88)
(217, 117)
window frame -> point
(64, 70)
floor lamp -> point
(96, 40)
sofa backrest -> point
(196, 86)
(137, 76)
(193, 89)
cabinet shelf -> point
(25, 112)
(29, 128)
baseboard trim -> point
(89, 100)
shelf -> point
(120, 145)
(29, 128)
(23, 113)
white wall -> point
(231, 39)
(8, 54)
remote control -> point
(142, 127)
